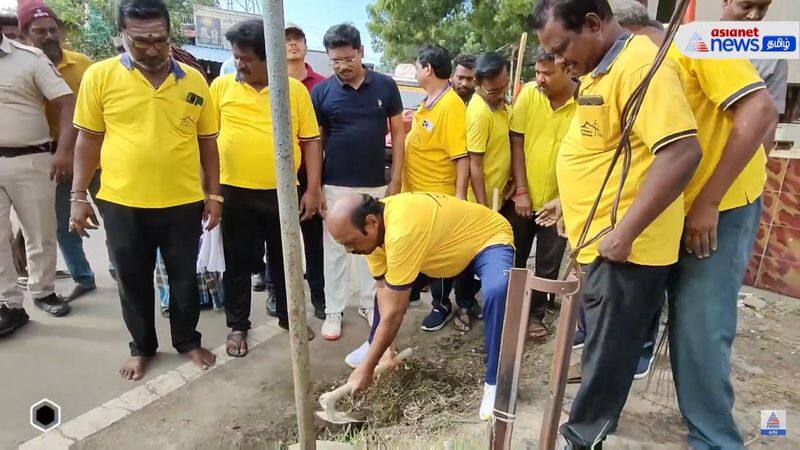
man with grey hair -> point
(632, 15)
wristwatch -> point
(217, 198)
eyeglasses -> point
(161, 44)
(343, 61)
(493, 92)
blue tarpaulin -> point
(207, 54)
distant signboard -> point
(405, 72)
(211, 24)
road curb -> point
(114, 410)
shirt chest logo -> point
(591, 129)
(428, 125)
(380, 104)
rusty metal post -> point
(521, 284)
(512, 343)
(567, 319)
(290, 217)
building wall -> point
(318, 60)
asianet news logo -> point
(765, 40)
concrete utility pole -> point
(290, 217)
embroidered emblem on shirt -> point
(427, 124)
(591, 129)
(380, 104)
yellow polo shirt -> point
(434, 234)
(150, 156)
(438, 136)
(72, 67)
(246, 145)
(543, 130)
(487, 134)
(593, 136)
(712, 86)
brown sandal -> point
(310, 332)
(462, 321)
(574, 374)
(537, 331)
(236, 344)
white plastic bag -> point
(212, 256)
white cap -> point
(294, 26)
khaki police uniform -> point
(27, 80)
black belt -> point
(12, 152)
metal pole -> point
(565, 331)
(512, 345)
(290, 217)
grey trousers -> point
(25, 185)
(620, 301)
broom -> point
(660, 388)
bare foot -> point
(202, 357)
(134, 367)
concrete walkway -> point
(73, 360)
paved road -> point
(72, 361)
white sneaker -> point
(332, 327)
(354, 358)
(367, 314)
(487, 404)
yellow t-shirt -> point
(246, 146)
(150, 156)
(594, 135)
(438, 136)
(72, 67)
(434, 234)
(543, 129)
(712, 86)
(487, 134)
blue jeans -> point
(71, 244)
(702, 296)
(492, 266)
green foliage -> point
(95, 38)
(92, 24)
(89, 25)
(400, 27)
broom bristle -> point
(660, 388)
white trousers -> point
(346, 275)
(25, 184)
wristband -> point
(521, 190)
(216, 198)
(80, 200)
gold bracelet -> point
(216, 198)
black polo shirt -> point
(354, 124)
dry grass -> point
(439, 386)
